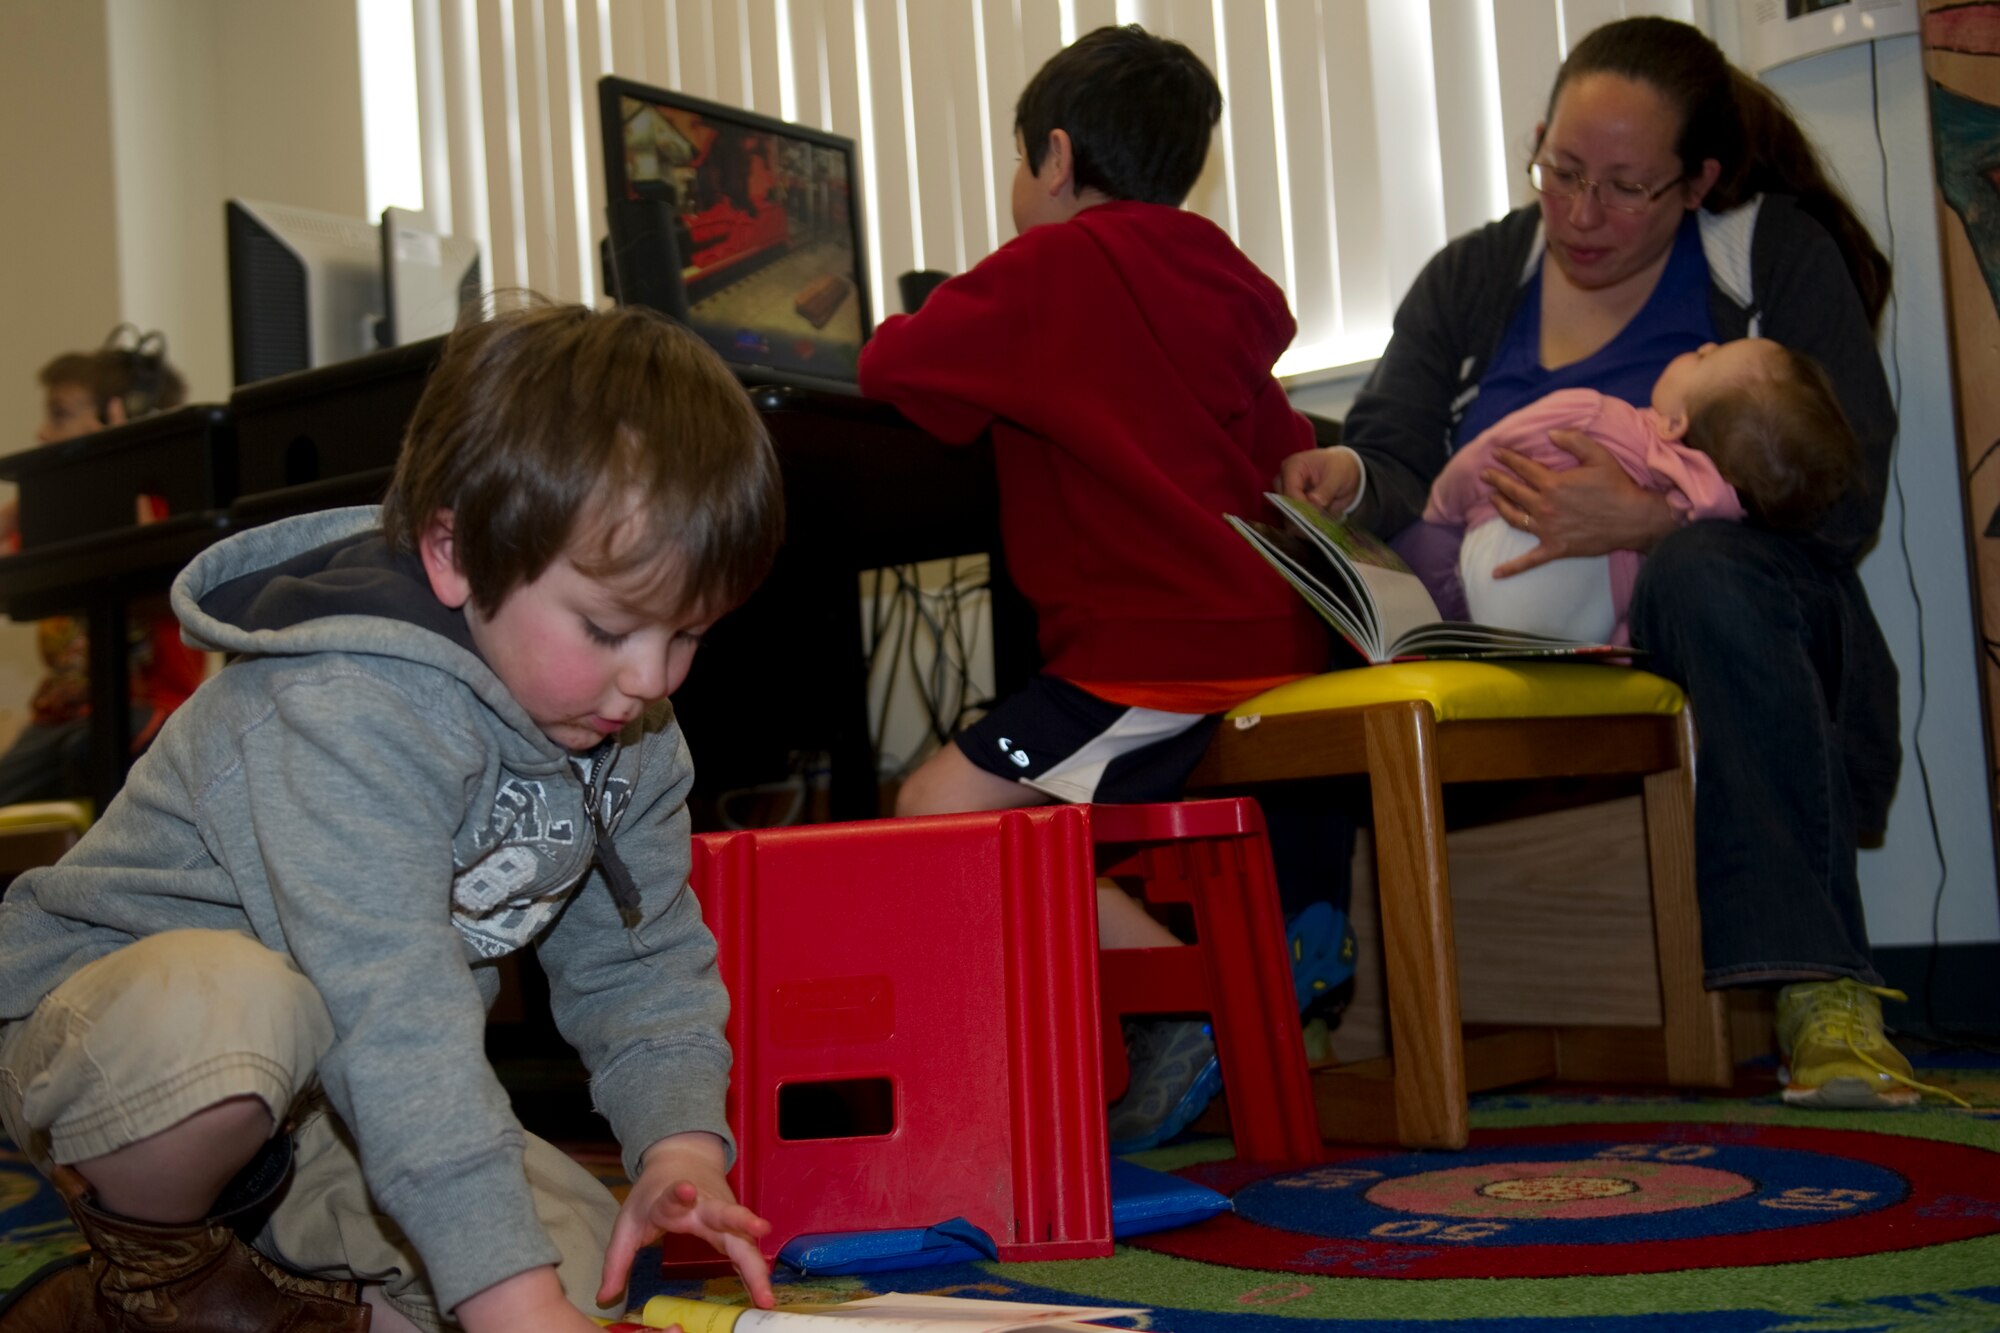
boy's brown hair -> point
(1138, 110)
(550, 424)
(1782, 441)
(143, 383)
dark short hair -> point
(1138, 110)
(540, 423)
(1782, 441)
(106, 373)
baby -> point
(1745, 428)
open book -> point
(1374, 600)
(893, 1312)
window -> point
(1357, 135)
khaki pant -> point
(143, 1038)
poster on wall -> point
(1961, 46)
(1775, 31)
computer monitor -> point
(427, 277)
(745, 228)
(305, 288)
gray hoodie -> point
(358, 792)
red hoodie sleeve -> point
(958, 363)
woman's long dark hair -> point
(1727, 115)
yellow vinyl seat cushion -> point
(1466, 691)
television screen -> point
(755, 220)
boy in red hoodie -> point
(1120, 351)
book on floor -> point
(1376, 602)
(892, 1312)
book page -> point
(1397, 601)
(1463, 639)
(1377, 604)
(891, 1312)
(1327, 587)
(961, 1314)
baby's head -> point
(1770, 419)
(593, 489)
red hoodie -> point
(1123, 361)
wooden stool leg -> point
(1695, 1020)
(1420, 958)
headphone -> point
(143, 357)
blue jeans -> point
(1794, 697)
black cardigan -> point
(1791, 286)
(1451, 322)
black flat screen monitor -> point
(745, 228)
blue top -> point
(1675, 319)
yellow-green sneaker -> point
(1836, 1054)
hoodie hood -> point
(1171, 262)
(330, 583)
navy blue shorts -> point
(1076, 747)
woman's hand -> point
(681, 1188)
(1326, 477)
(1591, 509)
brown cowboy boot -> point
(195, 1276)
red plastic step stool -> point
(1215, 857)
(916, 1020)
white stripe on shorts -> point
(1075, 779)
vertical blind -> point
(1356, 137)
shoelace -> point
(1840, 1018)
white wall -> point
(124, 124)
(58, 241)
(214, 99)
(127, 123)
(1922, 598)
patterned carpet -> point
(1572, 1209)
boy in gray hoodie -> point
(443, 736)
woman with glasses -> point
(1680, 204)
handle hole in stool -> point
(851, 1108)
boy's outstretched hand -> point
(681, 1188)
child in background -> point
(1120, 351)
(1749, 426)
(82, 393)
(442, 737)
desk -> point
(99, 576)
(863, 489)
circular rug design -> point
(1597, 1199)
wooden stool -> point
(1411, 728)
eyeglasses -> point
(1618, 196)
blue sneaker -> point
(1175, 1075)
(1321, 944)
